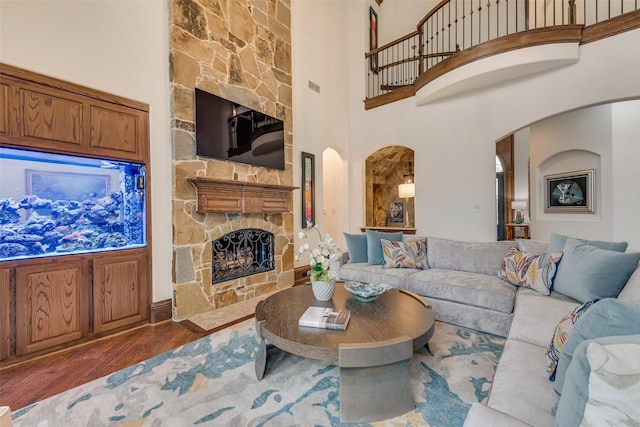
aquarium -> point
(53, 204)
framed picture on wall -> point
(570, 192)
(308, 189)
(396, 212)
(373, 39)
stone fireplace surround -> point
(239, 50)
(195, 231)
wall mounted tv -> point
(230, 131)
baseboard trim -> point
(161, 310)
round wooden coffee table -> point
(373, 353)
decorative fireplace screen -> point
(242, 253)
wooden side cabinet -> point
(510, 233)
(52, 304)
(119, 291)
(5, 313)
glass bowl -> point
(366, 291)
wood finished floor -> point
(31, 381)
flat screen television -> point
(230, 131)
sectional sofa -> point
(582, 295)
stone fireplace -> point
(239, 50)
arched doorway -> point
(500, 198)
(504, 184)
(335, 212)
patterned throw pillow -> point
(412, 254)
(530, 271)
(560, 335)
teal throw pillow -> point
(606, 318)
(587, 272)
(374, 247)
(557, 242)
(575, 391)
(357, 247)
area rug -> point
(212, 382)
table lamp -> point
(518, 206)
(407, 189)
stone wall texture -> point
(384, 170)
(239, 50)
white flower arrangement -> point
(320, 256)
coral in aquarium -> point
(70, 226)
(54, 204)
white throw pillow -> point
(614, 385)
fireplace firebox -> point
(242, 253)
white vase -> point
(323, 291)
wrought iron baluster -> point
(479, 21)
(464, 24)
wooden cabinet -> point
(50, 303)
(57, 116)
(117, 131)
(390, 229)
(119, 291)
(5, 313)
(47, 117)
(4, 109)
(510, 231)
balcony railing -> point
(455, 25)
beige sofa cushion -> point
(479, 290)
(362, 272)
(521, 387)
(473, 257)
(536, 316)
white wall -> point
(320, 120)
(120, 47)
(626, 172)
(397, 18)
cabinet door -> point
(4, 109)
(51, 119)
(52, 304)
(116, 130)
(120, 290)
(5, 313)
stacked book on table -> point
(327, 318)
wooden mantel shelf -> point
(227, 196)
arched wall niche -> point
(570, 161)
(385, 169)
